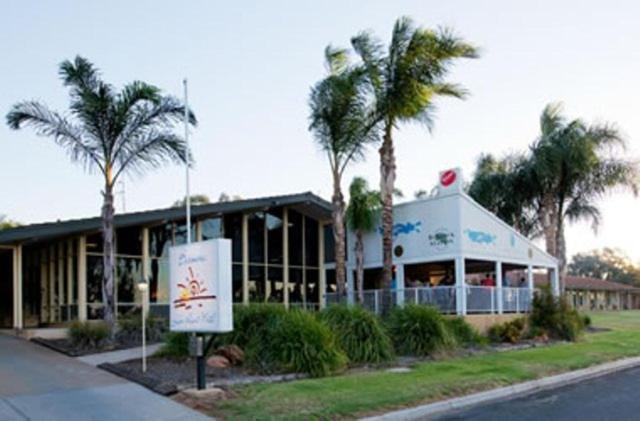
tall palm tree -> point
(112, 131)
(363, 208)
(405, 81)
(575, 164)
(342, 127)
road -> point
(40, 384)
(612, 397)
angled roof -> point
(307, 203)
(584, 283)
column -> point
(17, 287)
(285, 256)
(351, 286)
(499, 295)
(399, 284)
(245, 259)
(322, 280)
(52, 285)
(69, 278)
(555, 284)
(60, 267)
(146, 264)
(44, 287)
(461, 295)
(530, 286)
(82, 278)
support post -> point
(17, 287)
(69, 278)
(52, 285)
(285, 256)
(82, 278)
(322, 280)
(60, 267)
(399, 284)
(350, 286)
(245, 259)
(461, 294)
(44, 287)
(499, 292)
(555, 284)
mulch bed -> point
(167, 376)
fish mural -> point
(441, 239)
(404, 228)
(480, 237)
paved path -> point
(37, 383)
(118, 356)
(612, 397)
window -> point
(256, 238)
(211, 228)
(233, 231)
(274, 236)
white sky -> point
(250, 66)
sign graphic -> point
(447, 178)
(404, 228)
(200, 287)
(480, 237)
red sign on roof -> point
(447, 178)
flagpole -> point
(188, 160)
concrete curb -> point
(507, 392)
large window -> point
(304, 288)
(232, 224)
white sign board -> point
(200, 287)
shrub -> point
(176, 345)
(130, 328)
(462, 332)
(511, 331)
(586, 320)
(88, 334)
(303, 344)
(276, 340)
(360, 333)
(418, 330)
(554, 316)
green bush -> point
(511, 331)
(554, 316)
(176, 345)
(88, 334)
(130, 328)
(418, 330)
(276, 340)
(586, 320)
(360, 334)
(462, 332)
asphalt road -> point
(612, 397)
(37, 383)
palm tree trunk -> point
(561, 252)
(387, 181)
(108, 258)
(360, 265)
(548, 222)
(339, 235)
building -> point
(448, 251)
(51, 273)
(589, 294)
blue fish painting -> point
(480, 237)
(406, 228)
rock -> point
(233, 353)
(218, 361)
(206, 398)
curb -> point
(508, 392)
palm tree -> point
(340, 122)
(363, 208)
(405, 81)
(575, 164)
(113, 132)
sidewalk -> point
(117, 356)
(506, 393)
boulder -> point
(203, 399)
(218, 361)
(233, 353)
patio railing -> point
(479, 299)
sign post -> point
(200, 293)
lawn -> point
(353, 395)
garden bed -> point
(65, 346)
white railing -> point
(479, 299)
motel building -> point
(449, 252)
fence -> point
(478, 299)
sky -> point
(250, 66)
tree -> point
(112, 131)
(196, 199)
(608, 264)
(364, 205)
(503, 186)
(341, 125)
(405, 81)
(574, 165)
(6, 223)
